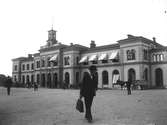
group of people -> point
(8, 84)
(89, 87)
(34, 85)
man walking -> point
(88, 90)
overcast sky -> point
(24, 24)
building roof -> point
(159, 49)
(103, 48)
(76, 47)
(132, 38)
(54, 47)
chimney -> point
(154, 39)
(92, 44)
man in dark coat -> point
(88, 90)
(128, 84)
(8, 84)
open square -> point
(57, 107)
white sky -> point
(24, 23)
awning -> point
(83, 59)
(93, 58)
(103, 56)
(113, 54)
(115, 78)
(54, 58)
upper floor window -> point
(43, 63)
(55, 63)
(48, 61)
(32, 66)
(161, 57)
(15, 78)
(27, 66)
(94, 62)
(23, 67)
(15, 67)
(38, 64)
(77, 60)
(85, 63)
(158, 57)
(104, 61)
(67, 60)
(145, 54)
(131, 54)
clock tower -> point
(51, 37)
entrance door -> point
(55, 80)
(43, 80)
(49, 80)
(131, 74)
(159, 77)
(67, 78)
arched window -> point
(133, 52)
(43, 80)
(48, 61)
(49, 80)
(43, 63)
(38, 78)
(146, 74)
(27, 79)
(128, 55)
(145, 54)
(77, 60)
(115, 76)
(131, 74)
(161, 57)
(32, 78)
(67, 78)
(159, 77)
(154, 58)
(105, 78)
(158, 57)
(55, 80)
(23, 79)
(77, 77)
(15, 79)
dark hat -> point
(92, 67)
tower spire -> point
(52, 22)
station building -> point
(135, 57)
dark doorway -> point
(131, 74)
(55, 80)
(105, 78)
(43, 80)
(159, 77)
(67, 78)
(49, 80)
(38, 78)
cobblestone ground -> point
(57, 107)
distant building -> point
(135, 57)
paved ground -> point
(57, 107)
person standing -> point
(8, 84)
(88, 90)
(35, 86)
(128, 84)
